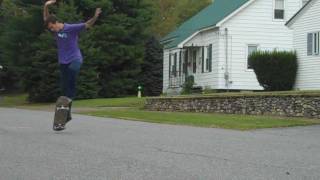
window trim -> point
(315, 52)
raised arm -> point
(91, 21)
(46, 9)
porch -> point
(189, 61)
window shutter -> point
(169, 65)
(318, 39)
(202, 62)
(175, 65)
(185, 64)
(309, 44)
(194, 59)
(210, 57)
(180, 62)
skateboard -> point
(62, 113)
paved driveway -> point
(101, 149)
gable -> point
(207, 17)
(299, 13)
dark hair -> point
(50, 19)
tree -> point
(118, 47)
(152, 68)
(113, 51)
(42, 78)
(19, 28)
(169, 14)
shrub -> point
(188, 85)
(276, 70)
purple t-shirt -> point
(67, 41)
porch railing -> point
(176, 79)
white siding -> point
(309, 66)
(206, 79)
(166, 53)
(254, 25)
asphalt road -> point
(94, 148)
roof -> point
(209, 16)
(299, 12)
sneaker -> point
(59, 127)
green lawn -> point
(20, 101)
(239, 122)
(131, 108)
(13, 100)
(112, 102)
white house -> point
(306, 32)
(213, 45)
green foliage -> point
(276, 71)
(119, 42)
(169, 14)
(237, 122)
(152, 68)
(114, 49)
(208, 90)
(19, 28)
(42, 75)
(188, 85)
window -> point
(304, 2)
(251, 49)
(279, 9)
(313, 43)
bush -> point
(188, 85)
(276, 70)
(151, 74)
(208, 90)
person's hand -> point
(50, 2)
(98, 12)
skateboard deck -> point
(61, 113)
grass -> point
(248, 93)
(20, 101)
(112, 102)
(13, 100)
(131, 109)
(238, 122)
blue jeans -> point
(69, 73)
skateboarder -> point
(69, 54)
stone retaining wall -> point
(284, 105)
